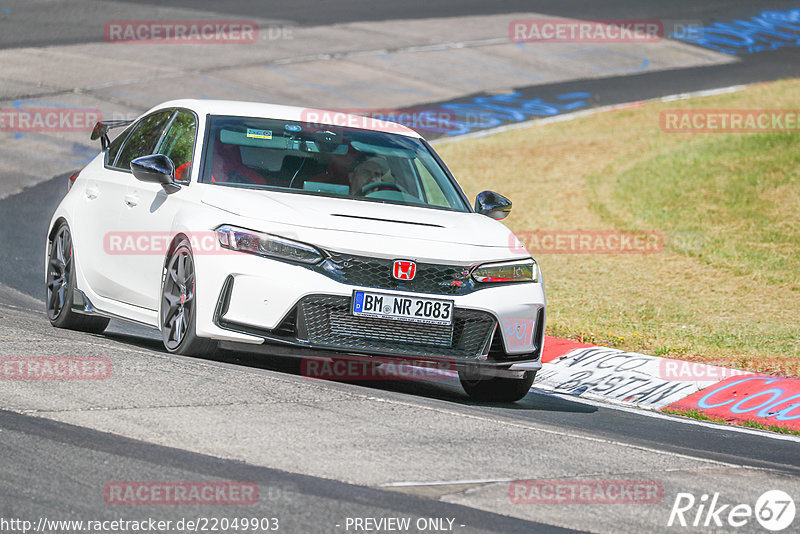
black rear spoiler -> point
(101, 129)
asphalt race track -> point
(323, 452)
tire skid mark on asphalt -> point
(273, 62)
(170, 406)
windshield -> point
(327, 160)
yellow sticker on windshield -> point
(259, 134)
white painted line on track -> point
(548, 430)
(446, 482)
(538, 390)
(408, 484)
(660, 415)
(450, 45)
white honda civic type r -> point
(306, 232)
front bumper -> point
(270, 301)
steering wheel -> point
(378, 186)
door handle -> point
(131, 200)
(92, 193)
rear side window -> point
(113, 148)
(178, 144)
(143, 138)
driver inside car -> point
(371, 170)
(227, 166)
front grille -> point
(344, 325)
(377, 272)
(327, 322)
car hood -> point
(334, 215)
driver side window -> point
(142, 139)
(178, 144)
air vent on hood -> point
(386, 220)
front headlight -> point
(510, 271)
(270, 246)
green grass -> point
(700, 416)
(725, 289)
(731, 201)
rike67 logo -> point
(774, 510)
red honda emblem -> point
(404, 270)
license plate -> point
(402, 308)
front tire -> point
(495, 388)
(60, 287)
(178, 299)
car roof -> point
(292, 113)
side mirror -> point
(492, 205)
(156, 168)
